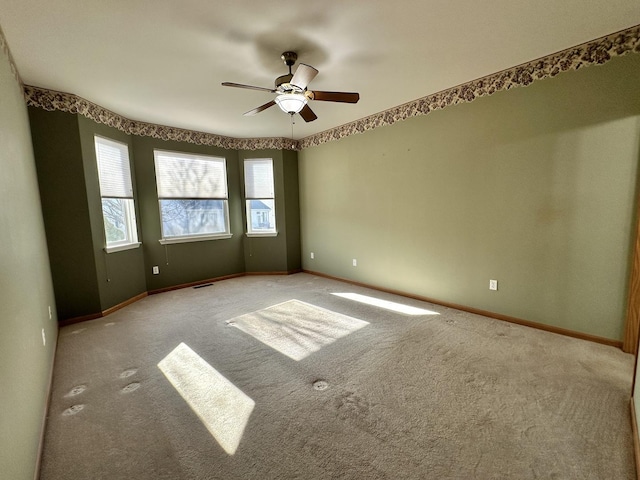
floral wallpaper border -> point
(596, 52)
(51, 100)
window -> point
(116, 191)
(192, 192)
(259, 195)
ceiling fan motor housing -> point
(289, 58)
(283, 81)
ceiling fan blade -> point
(304, 74)
(249, 87)
(260, 108)
(307, 114)
(344, 97)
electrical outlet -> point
(44, 338)
(156, 270)
(355, 262)
(493, 284)
(313, 256)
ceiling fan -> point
(291, 91)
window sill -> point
(254, 234)
(195, 238)
(120, 248)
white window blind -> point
(259, 197)
(258, 178)
(116, 190)
(190, 176)
(114, 170)
(192, 195)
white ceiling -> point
(162, 61)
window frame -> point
(249, 231)
(129, 206)
(195, 237)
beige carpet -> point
(298, 377)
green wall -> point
(88, 280)
(119, 275)
(182, 263)
(279, 253)
(57, 148)
(534, 187)
(292, 210)
(26, 290)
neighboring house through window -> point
(116, 191)
(193, 198)
(260, 197)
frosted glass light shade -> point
(291, 102)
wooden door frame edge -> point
(632, 322)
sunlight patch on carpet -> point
(297, 329)
(386, 304)
(221, 406)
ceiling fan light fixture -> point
(291, 102)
